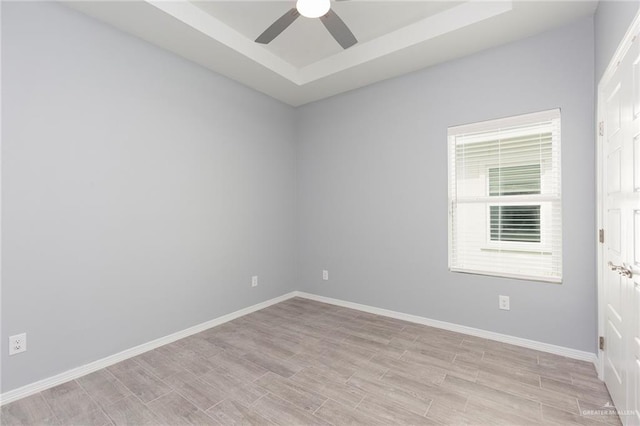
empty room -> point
(320, 212)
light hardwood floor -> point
(302, 362)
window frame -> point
(541, 261)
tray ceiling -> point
(305, 63)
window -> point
(515, 223)
(504, 197)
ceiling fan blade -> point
(338, 29)
(279, 26)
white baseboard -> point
(517, 341)
(74, 373)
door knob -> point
(620, 269)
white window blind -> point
(505, 213)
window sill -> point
(551, 280)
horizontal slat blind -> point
(505, 215)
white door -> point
(631, 172)
(619, 113)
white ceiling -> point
(307, 41)
(304, 63)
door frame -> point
(622, 49)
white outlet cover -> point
(325, 275)
(503, 303)
(17, 343)
(254, 281)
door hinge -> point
(601, 128)
(601, 236)
(601, 343)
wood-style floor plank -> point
(71, 404)
(230, 412)
(28, 411)
(103, 387)
(142, 383)
(337, 414)
(130, 411)
(173, 409)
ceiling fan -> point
(312, 9)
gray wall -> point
(140, 192)
(138, 201)
(612, 19)
(372, 174)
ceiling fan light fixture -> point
(313, 8)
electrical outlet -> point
(503, 303)
(325, 275)
(254, 281)
(17, 343)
